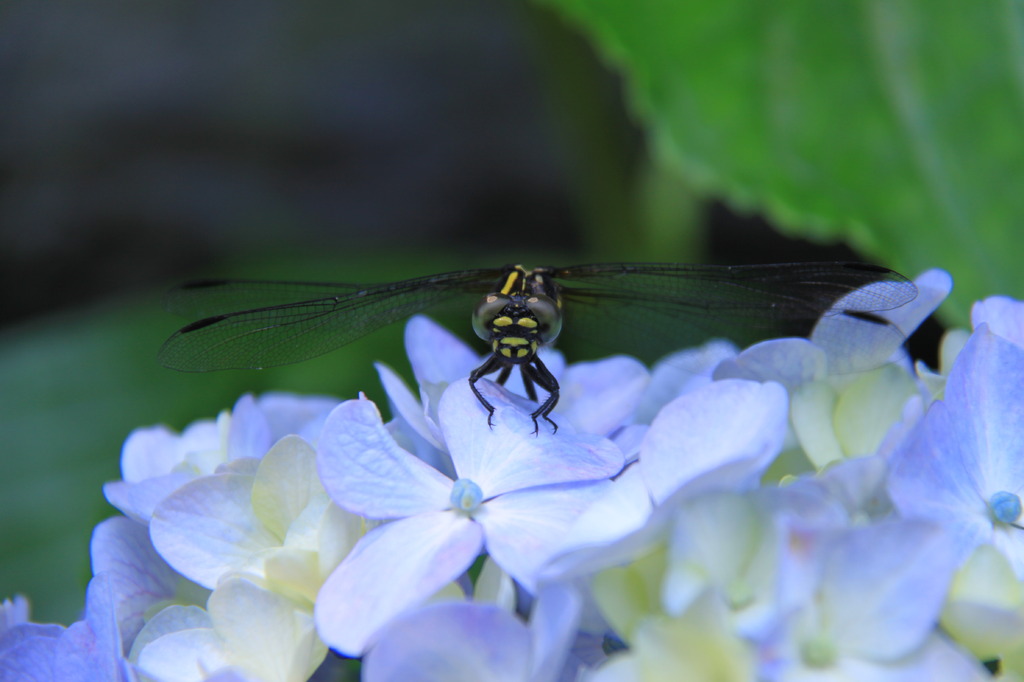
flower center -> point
(1005, 506)
(739, 594)
(818, 651)
(466, 495)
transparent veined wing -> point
(251, 324)
(651, 309)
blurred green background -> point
(147, 143)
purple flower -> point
(474, 641)
(515, 494)
(962, 466)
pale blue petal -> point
(301, 415)
(406, 406)
(139, 577)
(933, 286)
(1003, 315)
(790, 362)
(733, 426)
(451, 641)
(27, 650)
(138, 500)
(963, 451)
(853, 345)
(985, 392)
(436, 355)
(629, 439)
(597, 397)
(883, 587)
(523, 529)
(859, 485)
(438, 359)
(940, 659)
(681, 373)
(365, 471)
(150, 451)
(622, 509)
(392, 569)
(249, 434)
(935, 475)
(556, 614)
(509, 456)
(90, 649)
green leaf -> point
(895, 125)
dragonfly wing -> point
(653, 309)
(209, 297)
(283, 333)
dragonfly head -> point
(517, 324)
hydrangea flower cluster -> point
(726, 515)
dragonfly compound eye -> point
(489, 307)
(548, 314)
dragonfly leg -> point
(503, 375)
(492, 364)
(528, 385)
(537, 373)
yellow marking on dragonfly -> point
(507, 352)
(511, 280)
(503, 321)
(522, 353)
(527, 322)
(514, 341)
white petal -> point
(812, 410)
(170, 619)
(264, 633)
(183, 656)
(285, 482)
(366, 472)
(392, 569)
(869, 406)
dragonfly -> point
(647, 309)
